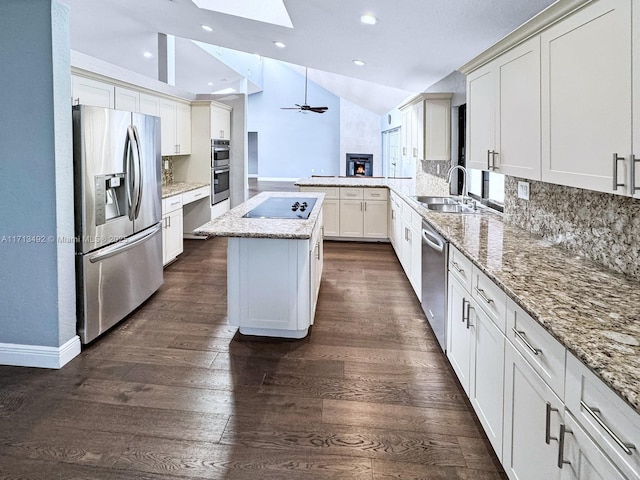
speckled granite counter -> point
(232, 223)
(592, 311)
(177, 188)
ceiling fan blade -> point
(318, 109)
(289, 108)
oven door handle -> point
(221, 171)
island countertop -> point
(592, 311)
(233, 223)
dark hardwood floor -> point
(174, 393)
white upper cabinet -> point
(127, 99)
(149, 104)
(503, 118)
(426, 127)
(86, 91)
(587, 98)
(220, 123)
(175, 127)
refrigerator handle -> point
(134, 173)
(129, 179)
(126, 244)
(136, 150)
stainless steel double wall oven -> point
(220, 170)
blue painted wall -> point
(37, 297)
(292, 144)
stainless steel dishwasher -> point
(435, 251)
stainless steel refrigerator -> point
(118, 212)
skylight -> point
(267, 11)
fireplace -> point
(359, 164)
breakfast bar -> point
(274, 262)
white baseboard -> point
(38, 355)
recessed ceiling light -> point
(360, 63)
(279, 44)
(368, 19)
(147, 54)
(207, 28)
(210, 83)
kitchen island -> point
(274, 264)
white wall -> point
(359, 133)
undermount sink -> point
(437, 200)
(450, 208)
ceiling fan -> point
(304, 108)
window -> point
(488, 187)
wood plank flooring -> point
(174, 393)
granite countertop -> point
(176, 188)
(594, 312)
(232, 223)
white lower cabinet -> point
(487, 375)
(351, 218)
(581, 457)
(475, 348)
(172, 244)
(532, 418)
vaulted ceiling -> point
(414, 44)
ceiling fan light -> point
(360, 63)
(279, 44)
(368, 19)
(206, 28)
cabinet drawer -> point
(351, 193)
(193, 195)
(543, 352)
(460, 267)
(604, 416)
(170, 204)
(490, 297)
(376, 193)
(330, 193)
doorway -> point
(391, 153)
(253, 154)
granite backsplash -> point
(167, 170)
(602, 227)
(431, 177)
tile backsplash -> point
(167, 173)
(602, 227)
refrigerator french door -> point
(118, 211)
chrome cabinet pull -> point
(523, 339)
(547, 431)
(456, 267)
(488, 159)
(469, 308)
(482, 295)
(616, 159)
(633, 187)
(626, 447)
(561, 460)
(464, 306)
(493, 160)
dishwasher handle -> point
(433, 241)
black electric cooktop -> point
(283, 207)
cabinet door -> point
(183, 128)
(459, 332)
(531, 409)
(375, 219)
(331, 215)
(172, 235)
(149, 104)
(480, 117)
(636, 98)
(487, 376)
(437, 129)
(86, 91)
(581, 457)
(586, 97)
(220, 123)
(518, 111)
(351, 221)
(417, 131)
(168, 143)
(128, 100)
